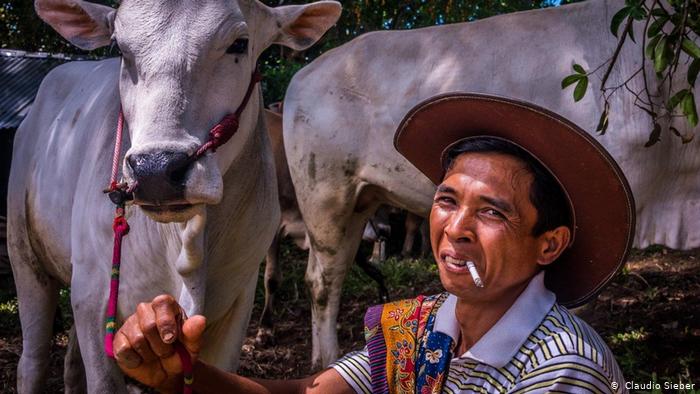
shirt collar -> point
(498, 346)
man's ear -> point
(552, 244)
(300, 26)
(86, 25)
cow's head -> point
(185, 65)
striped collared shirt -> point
(537, 346)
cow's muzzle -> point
(161, 177)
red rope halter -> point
(121, 193)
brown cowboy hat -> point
(597, 190)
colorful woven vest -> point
(405, 355)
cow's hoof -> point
(264, 337)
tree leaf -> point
(654, 136)
(580, 89)
(676, 99)
(570, 80)
(693, 71)
(651, 45)
(579, 69)
(690, 48)
(656, 27)
(638, 12)
(662, 55)
(631, 34)
(603, 122)
(689, 109)
(658, 11)
(617, 20)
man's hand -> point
(143, 346)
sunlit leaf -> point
(580, 89)
(690, 48)
(662, 55)
(654, 136)
(656, 27)
(693, 71)
(570, 80)
(650, 46)
(676, 99)
(689, 109)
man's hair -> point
(546, 194)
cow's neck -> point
(209, 239)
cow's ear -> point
(86, 25)
(300, 26)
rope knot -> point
(120, 225)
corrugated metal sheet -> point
(20, 76)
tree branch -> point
(617, 53)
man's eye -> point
(495, 213)
(238, 47)
(444, 199)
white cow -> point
(198, 230)
(341, 112)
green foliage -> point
(21, 28)
(670, 33)
(581, 80)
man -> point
(530, 213)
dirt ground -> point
(649, 315)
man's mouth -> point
(463, 266)
(454, 264)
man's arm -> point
(209, 379)
(144, 351)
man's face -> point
(482, 212)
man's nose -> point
(461, 226)
(161, 176)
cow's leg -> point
(37, 294)
(223, 338)
(73, 369)
(273, 278)
(88, 301)
(373, 272)
(333, 248)
(411, 224)
(425, 248)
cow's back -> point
(349, 102)
(63, 134)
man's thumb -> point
(191, 334)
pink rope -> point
(117, 151)
(218, 135)
(228, 126)
(121, 228)
(186, 362)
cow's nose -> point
(161, 176)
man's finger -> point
(167, 313)
(192, 331)
(138, 341)
(148, 326)
(123, 352)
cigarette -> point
(475, 274)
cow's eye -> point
(238, 47)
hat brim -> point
(602, 202)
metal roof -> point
(20, 75)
